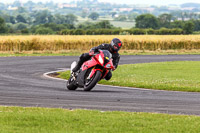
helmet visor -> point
(115, 46)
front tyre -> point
(70, 84)
(93, 81)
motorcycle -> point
(91, 72)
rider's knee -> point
(85, 56)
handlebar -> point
(93, 53)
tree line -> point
(166, 21)
(43, 22)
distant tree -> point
(21, 19)
(5, 16)
(43, 17)
(12, 20)
(29, 20)
(147, 21)
(20, 26)
(70, 19)
(121, 18)
(3, 28)
(165, 20)
(177, 14)
(188, 27)
(69, 26)
(11, 30)
(94, 16)
(132, 16)
(59, 19)
(197, 25)
(9, 25)
(79, 32)
(8, 18)
(25, 31)
(84, 14)
(104, 25)
(53, 26)
(21, 10)
(184, 16)
(86, 25)
(44, 31)
(177, 24)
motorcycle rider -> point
(113, 48)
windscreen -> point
(107, 56)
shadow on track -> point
(97, 91)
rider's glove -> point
(113, 68)
(91, 52)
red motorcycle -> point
(91, 72)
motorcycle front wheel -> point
(70, 84)
(93, 81)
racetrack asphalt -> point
(22, 84)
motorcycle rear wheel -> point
(93, 81)
(70, 84)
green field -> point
(45, 120)
(78, 53)
(122, 24)
(175, 76)
(39, 53)
(181, 76)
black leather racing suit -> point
(85, 57)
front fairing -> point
(109, 65)
(104, 57)
(89, 64)
(97, 59)
(101, 61)
(107, 56)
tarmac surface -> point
(22, 84)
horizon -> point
(144, 2)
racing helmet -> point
(116, 44)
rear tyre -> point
(70, 84)
(93, 81)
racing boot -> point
(108, 76)
(78, 66)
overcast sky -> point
(149, 2)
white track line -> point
(131, 88)
(47, 74)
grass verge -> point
(77, 53)
(174, 76)
(45, 120)
(40, 53)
